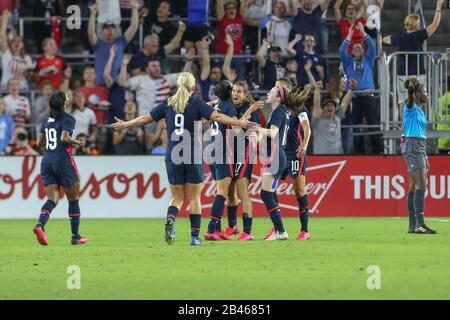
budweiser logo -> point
(317, 187)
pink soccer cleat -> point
(40, 235)
(303, 235)
(245, 236)
(80, 240)
(212, 236)
(269, 234)
(223, 235)
(230, 231)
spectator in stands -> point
(153, 87)
(110, 38)
(443, 115)
(336, 90)
(46, 9)
(231, 21)
(228, 71)
(411, 40)
(95, 95)
(115, 92)
(40, 110)
(326, 121)
(209, 75)
(49, 66)
(165, 29)
(257, 11)
(15, 62)
(17, 106)
(308, 20)
(351, 19)
(270, 60)
(152, 49)
(278, 27)
(162, 143)
(303, 53)
(129, 141)
(85, 117)
(197, 24)
(6, 129)
(360, 66)
(21, 145)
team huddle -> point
(280, 148)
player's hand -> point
(119, 124)
(257, 105)
(246, 124)
(301, 151)
(253, 137)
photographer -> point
(21, 146)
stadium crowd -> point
(217, 40)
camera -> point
(22, 136)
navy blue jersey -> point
(229, 109)
(280, 119)
(295, 134)
(52, 128)
(181, 124)
(239, 155)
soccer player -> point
(296, 145)
(224, 171)
(181, 112)
(275, 162)
(58, 167)
(414, 153)
(246, 108)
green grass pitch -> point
(128, 259)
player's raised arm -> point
(137, 122)
(222, 118)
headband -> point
(281, 91)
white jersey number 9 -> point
(179, 124)
(51, 140)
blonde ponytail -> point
(185, 85)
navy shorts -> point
(221, 171)
(242, 170)
(185, 173)
(277, 168)
(295, 167)
(64, 174)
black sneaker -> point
(170, 231)
(424, 230)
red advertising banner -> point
(358, 186)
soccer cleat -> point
(223, 235)
(40, 235)
(195, 241)
(170, 232)
(212, 236)
(303, 235)
(278, 236)
(79, 240)
(245, 236)
(424, 230)
(230, 231)
(268, 234)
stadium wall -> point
(137, 187)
